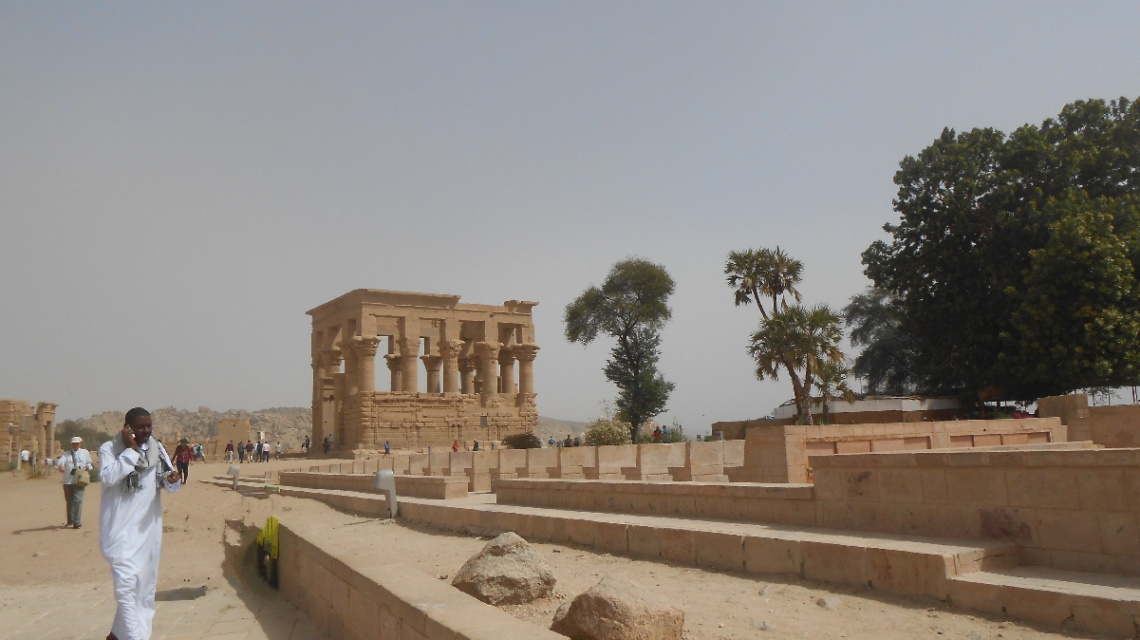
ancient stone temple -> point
(455, 371)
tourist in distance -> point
(25, 456)
(72, 463)
(182, 456)
(257, 451)
(455, 445)
(305, 445)
(387, 449)
(199, 454)
(277, 450)
(230, 451)
(328, 442)
(249, 451)
(133, 467)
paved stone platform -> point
(85, 612)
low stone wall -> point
(774, 503)
(434, 487)
(357, 596)
(1111, 426)
(1069, 509)
(783, 453)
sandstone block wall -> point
(1070, 509)
(369, 597)
(1112, 426)
(781, 453)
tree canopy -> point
(1013, 264)
(632, 307)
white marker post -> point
(386, 481)
(235, 471)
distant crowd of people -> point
(260, 452)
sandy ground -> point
(38, 554)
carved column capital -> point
(364, 347)
(410, 347)
(488, 350)
(525, 352)
(327, 358)
(450, 348)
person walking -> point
(199, 454)
(241, 453)
(387, 449)
(230, 452)
(72, 464)
(249, 451)
(133, 467)
(305, 445)
(328, 442)
(277, 451)
(182, 456)
(257, 448)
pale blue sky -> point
(180, 182)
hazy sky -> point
(180, 182)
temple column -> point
(526, 354)
(507, 370)
(350, 368)
(488, 353)
(431, 364)
(364, 350)
(467, 368)
(449, 351)
(394, 369)
(325, 364)
(410, 357)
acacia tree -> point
(887, 361)
(1014, 259)
(631, 306)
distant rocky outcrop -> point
(289, 425)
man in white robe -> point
(133, 468)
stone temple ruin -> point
(465, 353)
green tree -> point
(631, 306)
(831, 382)
(800, 340)
(887, 361)
(757, 275)
(1010, 255)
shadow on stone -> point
(185, 593)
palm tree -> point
(831, 382)
(757, 274)
(803, 340)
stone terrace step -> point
(1108, 605)
(911, 566)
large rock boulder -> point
(506, 571)
(614, 609)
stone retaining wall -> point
(366, 597)
(1069, 509)
(435, 487)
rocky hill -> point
(290, 425)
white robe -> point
(130, 536)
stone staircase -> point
(979, 575)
